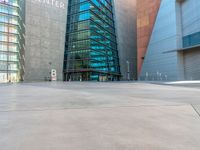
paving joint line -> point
(81, 108)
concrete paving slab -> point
(141, 128)
(98, 116)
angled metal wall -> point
(158, 63)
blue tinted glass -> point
(84, 16)
(191, 40)
(85, 7)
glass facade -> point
(91, 48)
(11, 40)
(191, 40)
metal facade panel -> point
(158, 64)
(125, 15)
(191, 64)
(190, 17)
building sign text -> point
(54, 3)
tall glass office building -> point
(91, 48)
(11, 40)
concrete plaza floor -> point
(99, 116)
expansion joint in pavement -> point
(103, 107)
(195, 110)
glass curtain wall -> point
(91, 48)
(11, 40)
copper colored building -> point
(146, 15)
